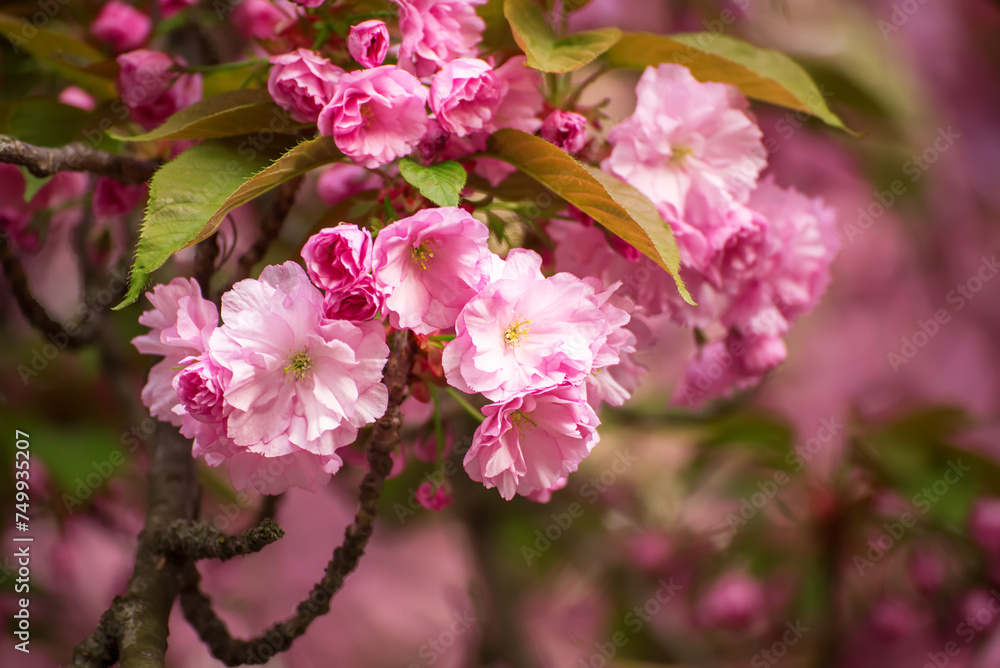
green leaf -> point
(32, 184)
(547, 53)
(762, 74)
(441, 183)
(238, 112)
(44, 121)
(619, 207)
(69, 56)
(186, 194)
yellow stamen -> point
(522, 421)
(299, 365)
(513, 335)
(421, 255)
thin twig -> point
(198, 607)
(201, 540)
(42, 161)
(33, 311)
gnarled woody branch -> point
(198, 607)
(42, 161)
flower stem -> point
(464, 403)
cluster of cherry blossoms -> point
(294, 371)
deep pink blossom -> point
(301, 384)
(687, 140)
(338, 257)
(437, 31)
(735, 601)
(984, 524)
(368, 42)
(526, 332)
(376, 115)
(113, 198)
(429, 265)
(465, 95)
(151, 90)
(434, 497)
(302, 82)
(565, 129)
(181, 325)
(121, 26)
(530, 442)
(170, 7)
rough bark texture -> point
(42, 161)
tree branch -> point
(201, 540)
(34, 312)
(137, 621)
(198, 607)
(42, 161)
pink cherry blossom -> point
(301, 384)
(526, 332)
(75, 96)
(170, 7)
(806, 244)
(434, 497)
(338, 257)
(181, 324)
(984, 524)
(368, 42)
(343, 180)
(437, 31)
(150, 88)
(522, 102)
(530, 442)
(735, 601)
(465, 95)
(302, 82)
(112, 198)
(121, 26)
(429, 265)
(262, 19)
(565, 129)
(737, 362)
(376, 115)
(687, 140)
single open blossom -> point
(301, 383)
(376, 115)
(368, 42)
(465, 95)
(526, 332)
(181, 324)
(531, 441)
(121, 26)
(437, 31)
(565, 129)
(302, 82)
(429, 265)
(687, 139)
(113, 198)
(151, 90)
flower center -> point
(513, 335)
(367, 115)
(679, 154)
(421, 255)
(522, 421)
(299, 364)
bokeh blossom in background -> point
(506, 333)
